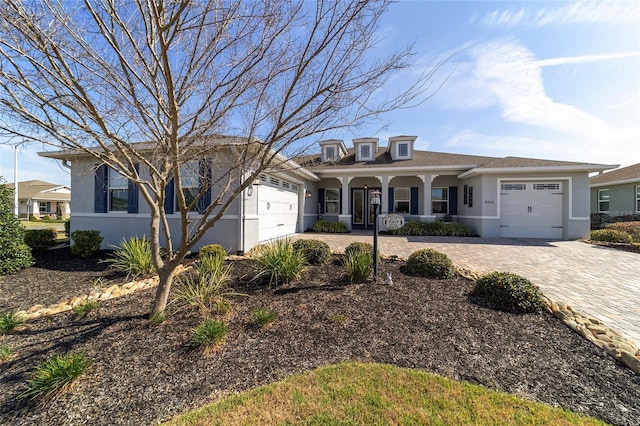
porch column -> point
(344, 210)
(35, 209)
(426, 202)
(384, 206)
(67, 209)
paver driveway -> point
(601, 282)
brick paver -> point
(601, 282)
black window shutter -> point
(340, 201)
(132, 194)
(321, 199)
(453, 200)
(414, 200)
(169, 197)
(205, 179)
(391, 192)
(100, 196)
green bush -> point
(10, 320)
(14, 253)
(431, 264)
(263, 317)
(359, 247)
(626, 217)
(83, 309)
(358, 265)
(599, 220)
(279, 262)
(631, 228)
(67, 228)
(509, 292)
(132, 257)
(55, 374)
(314, 251)
(329, 227)
(40, 239)
(419, 228)
(611, 236)
(86, 243)
(5, 352)
(208, 333)
(213, 250)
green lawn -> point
(376, 394)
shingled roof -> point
(627, 174)
(41, 190)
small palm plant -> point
(132, 257)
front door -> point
(361, 208)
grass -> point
(5, 352)
(9, 321)
(208, 334)
(83, 309)
(263, 317)
(55, 375)
(357, 394)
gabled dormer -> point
(401, 147)
(332, 150)
(366, 149)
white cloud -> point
(584, 59)
(581, 12)
(510, 72)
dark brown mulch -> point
(633, 248)
(143, 374)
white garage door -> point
(531, 210)
(277, 211)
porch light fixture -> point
(375, 202)
(307, 194)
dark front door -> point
(361, 208)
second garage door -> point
(277, 209)
(531, 210)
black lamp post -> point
(375, 202)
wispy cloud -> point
(581, 12)
(584, 59)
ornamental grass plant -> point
(132, 257)
(55, 375)
(279, 263)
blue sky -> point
(553, 80)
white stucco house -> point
(497, 197)
(37, 198)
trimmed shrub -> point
(431, 264)
(631, 228)
(329, 227)
(628, 217)
(55, 375)
(132, 257)
(611, 236)
(212, 250)
(419, 228)
(14, 253)
(86, 243)
(358, 265)
(40, 239)
(359, 247)
(509, 292)
(279, 262)
(314, 251)
(599, 220)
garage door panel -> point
(531, 210)
(278, 213)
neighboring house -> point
(38, 199)
(616, 192)
(497, 197)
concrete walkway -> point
(596, 281)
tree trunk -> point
(166, 275)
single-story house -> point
(496, 197)
(616, 192)
(38, 199)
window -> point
(365, 152)
(190, 175)
(638, 198)
(44, 207)
(403, 150)
(118, 192)
(402, 200)
(603, 200)
(329, 153)
(514, 186)
(440, 200)
(331, 200)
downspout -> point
(241, 220)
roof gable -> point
(623, 175)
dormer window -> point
(403, 150)
(365, 151)
(330, 152)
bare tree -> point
(148, 87)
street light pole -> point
(375, 202)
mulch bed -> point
(144, 374)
